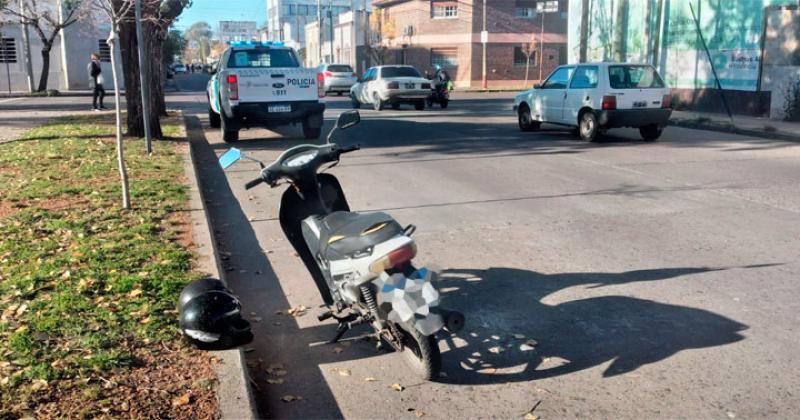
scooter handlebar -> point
(253, 183)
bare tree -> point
(47, 22)
(116, 10)
(528, 49)
(620, 29)
(584, 36)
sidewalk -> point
(742, 124)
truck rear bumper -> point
(258, 113)
(633, 117)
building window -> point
(8, 50)
(444, 10)
(444, 57)
(523, 12)
(104, 51)
(520, 59)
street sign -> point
(547, 6)
(484, 37)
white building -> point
(347, 46)
(233, 30)
(287, 19)
(68, 58)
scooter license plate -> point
(412, 299)
(280, 108)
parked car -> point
(392, 85)
(595, 97)
(337, 78)
(179, 69)
(263, 85)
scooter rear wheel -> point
(421, 353)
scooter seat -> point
(344, 233)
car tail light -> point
(328, 74)
(609, 102)
(233, 87)
(320, 85)
(393, 85)
(394, 259)
(666, 101)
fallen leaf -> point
(275, 381)
(532, 343)
(38, 384)
(397, 387)
(182, 400)
(370, 379)
(338, 350)
(344, 372)
(531, 416)
(290, 398)
(419, 413)
(519, 336)
(248, 350)
(135, 292)
(495, 350)
(256, 319)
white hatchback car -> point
(391, 85)
(594, 97)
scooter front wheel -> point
(421, 353)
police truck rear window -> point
(262, 58)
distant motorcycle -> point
(439, 95)
(361, 263)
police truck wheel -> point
(310, 133)
(213, 118)
(229, 134)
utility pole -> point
(26, 39)
(353, 29)
(541, 45)
(330, 18)
(366, 39)
(148, 141)
(484, 41)
(319, 32)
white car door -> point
(581, 92)
(553, 94)
(364, 91)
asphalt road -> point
(659, 280)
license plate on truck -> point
(279, 108)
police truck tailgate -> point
(276, 85)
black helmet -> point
(213, 321)
(198, 287)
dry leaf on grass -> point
(182, 400)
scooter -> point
(361, 263)
(440, 95)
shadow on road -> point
(505, 309)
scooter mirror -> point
(230, 157)
(348, 119)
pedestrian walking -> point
(96, 82)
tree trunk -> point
(45, 68)
(133, 95)
(584, 38)
(648, 16)
(123, 173)
(620, 55)
(154, 37)
(657, 36)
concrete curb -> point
(727, 128)
(233, 392)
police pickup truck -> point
(262, 84)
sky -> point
(213, 11)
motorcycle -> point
(361, 263)
(440, 95)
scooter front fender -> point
(294, 209)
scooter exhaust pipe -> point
(453, 321)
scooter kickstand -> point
(340, 331)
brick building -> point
(424, 33)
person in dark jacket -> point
(96, 82)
